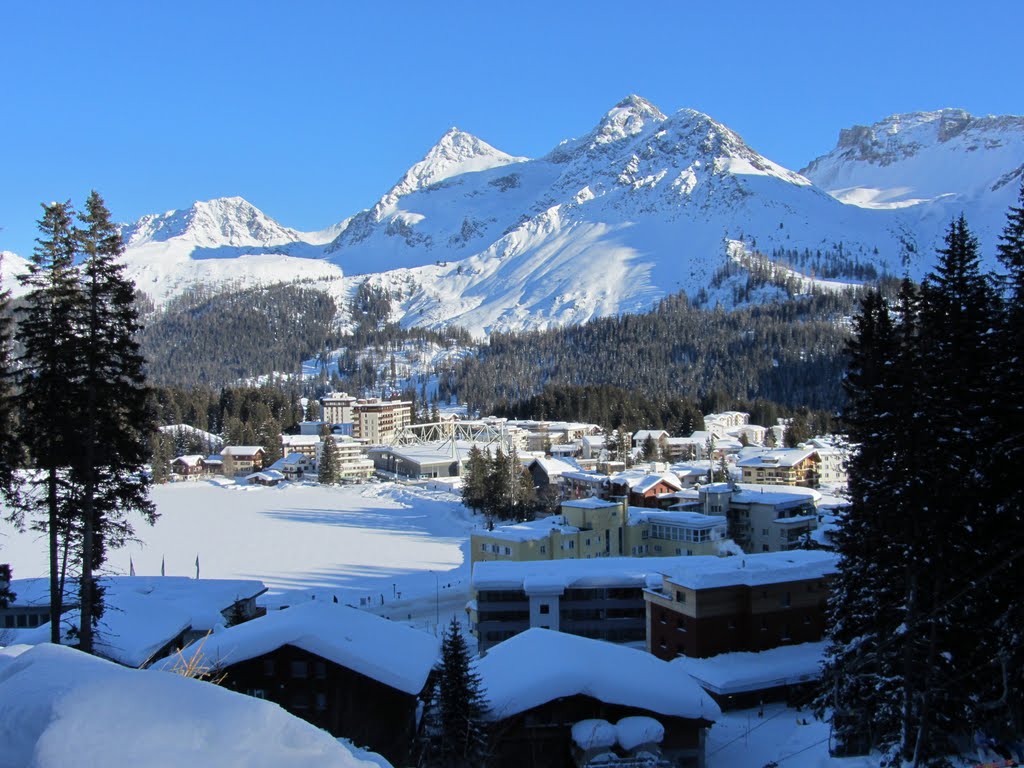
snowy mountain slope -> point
(642, 206)
(935, 165)
(224, 242)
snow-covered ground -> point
(400, 551)
(364, 544)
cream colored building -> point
(353, 464)
(594, 528)
(376, 422)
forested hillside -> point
(215, 340)
(790, 353)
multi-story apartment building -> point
(602, 599)
(787, 466)
(353, 464)
(595, 528)
(711, 605)
(377, 421)
(761, 518)
(337, 408)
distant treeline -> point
(789, 353)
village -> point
(652, 590)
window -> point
(764, 548)
(657, 547)
(545, 608)
(300, 669)
(543, 548)
(764, 531)
(320, 670)
(483, 547)
(268, 667)
(321, 701)
(256, 693)
(680, 596)
(572, 545)
(787, 600)
(588, 542)
(508, 551)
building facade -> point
(708, 606)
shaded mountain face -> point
(642, 206)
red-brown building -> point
(712, 605)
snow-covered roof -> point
(709, 572)
(530, 530)
(295, 440)
(731, 673)
(782, 457)
(639, 515)
(142, 613)
(641, 436)
(591, 502)
(191, 460)
(641, 481)
(241, 450)
(555, 467)
(555, 576)
(60, 707)
(270, 475)
(392, 653)
(539, 665)
(774, 495)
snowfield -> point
(350, 542)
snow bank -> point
(709, 572)
(731, 673)
(594, 734)
(631, 732)
(59, 707)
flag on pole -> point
(131, 566)
(163, 563)
(197, 567)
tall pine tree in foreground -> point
(456, 725)
(10, 450)
(116, 421)
(48, 399)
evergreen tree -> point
(162, 446)
(457, 712)
(474, 480)
(115, 418)
(1004, 693)
(650, 449)
(49, 399)
(911, 609)
(10, 448)
(328, 472)
(498, 499)
(523, 495)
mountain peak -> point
(627, 118)
(231, 221)
(456, 152)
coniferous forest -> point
(927, 614)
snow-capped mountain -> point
(224, 241)
(642, 206)
(934, 164)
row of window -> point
(679, 533)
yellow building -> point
(592, 527)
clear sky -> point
(311, 110)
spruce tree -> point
(474, 479)
(10, 448)
(50, 370)
(114, 414)
(458, 710)
(327, 471)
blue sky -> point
(312, 110)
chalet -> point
(187, 466)
(242, 459)
(146, 617)
(545, 689)
(295, 466)
(645, 489)
(711, 605)
(266, 477)
(213, 464)
(352, 673)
